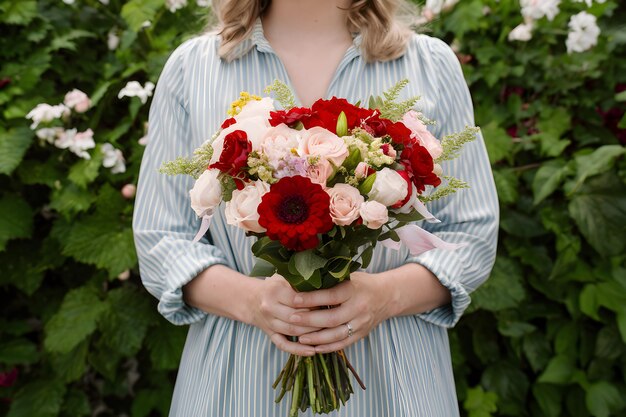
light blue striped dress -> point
(227, 367)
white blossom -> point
(134, 89)
(174, 5)
(203, 3)
(46, 113)
(522, 32)
(105, 2)
(437, 6)
(584, 32)
(68, 1)
(76, 142)
(589, 3)
(113, 158)
(113, 40)
(536, 9)
(49, 134)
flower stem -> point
(309, 374)
(297, 391)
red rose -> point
(419, 165)
(234, 156)
(228, 122)
(327, 112)
(291, 116)
(294, 211)
(400, 134)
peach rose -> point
(318, 141)
(320, 172)
(374, 214)
(345, 202)
(241, 210)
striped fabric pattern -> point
(227, 367)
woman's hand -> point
(360, 304)
(271, 309)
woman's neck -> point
(302, 20)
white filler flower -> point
(522, 32)
(134, 89)
(583, 34)
(536, 9)
(113, 158)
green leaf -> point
(165, 343)
(126, 321)
(537, 350)
(621, 324)
(66, 40)
(597, 162)
(499, 143)
(507, 185)
(620, 96)
(503, 289)
(77, 404)
(18, 12)
(262, 268)
(136, 12)
(40, 398)
(553, 124)
(559, 370)
(547, 179)
(148, 400)
(13, 145)
(76, 319)
(71, 199)
(18, 352)
(85, 171)
(307, 262)
(599, 210)
(480, 403)
(549, 397)
(16, 219)
(102, 241)
(603, 399)
(510, 384)
(72, 365)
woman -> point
(392, 318)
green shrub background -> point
(545, 336)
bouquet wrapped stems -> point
(320, 382)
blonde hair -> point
(383, 36)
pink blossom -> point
(77, 100)
(421, 133)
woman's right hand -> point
(271, 310)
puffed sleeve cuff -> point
(181, 268)
(445, 265)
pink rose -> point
(77, 100)
(363, 170)
(241, 210)
(320, 172)
(318, 141)
(374, 214)
(421, 133)
(345, 202)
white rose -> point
(345, 202)
(374, 214)
(206, 193)
(241, 210)
(318, 141)
(256, 108)
(389, 187)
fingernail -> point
(310, 352)
(298, 300)
(305, 340)
(295, 318)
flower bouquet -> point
(320, 187)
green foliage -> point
(283, 94)
(193, 166)
(390, 106)
(547, 332)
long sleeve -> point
(470, 215)
(164, 223)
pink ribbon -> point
(418, 240)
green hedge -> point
(545, 336)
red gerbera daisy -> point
(294, 211)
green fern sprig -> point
(284, 95)
(389, 106)
(193, 166)
(452, 186)
(452, 144)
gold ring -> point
(350, 329)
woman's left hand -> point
(360, 304)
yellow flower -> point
(237, 105)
